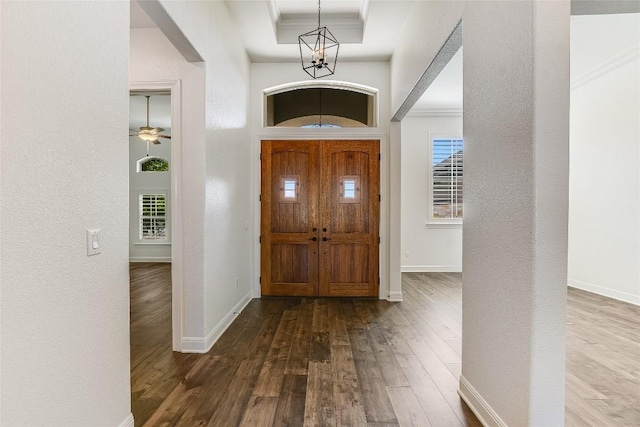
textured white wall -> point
(224, 192)
(65, 316)
(516, 125)
(154, 59)
(516, 75)
(430, 248)
(228, 185)
(1, 317)
(604, 214)
(429, 26)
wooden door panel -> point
(289, 263)
(349, 217)
(348, 188)
(289, 213)
(350, 263)
(319, 218)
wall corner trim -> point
(432, 112)
(485, 413)
(395, 296)
(150, 259)
(431, 268)
(128, 422)
(204, 344)
(605, 292)
(623, 58)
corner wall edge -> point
(485, 413)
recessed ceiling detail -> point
(345, 18)
(368, 30)
(346, 29)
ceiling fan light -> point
(147, 136)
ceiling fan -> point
(148, 133)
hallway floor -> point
(356, 362)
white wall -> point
(65, 316)
(372, 74)
(516, 73)
(216, 176)
(516, 130)
(430, 247)
(430, 22)
(604, 214)
(154, 59)
(141, 182)
(429, 26)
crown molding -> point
(611, 64)
(347, 28)
(435, 112)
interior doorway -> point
(172, 212)
(150, 176)
(320, 214)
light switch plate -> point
(93, 242)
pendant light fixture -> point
(318, 51)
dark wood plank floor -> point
(339, 362)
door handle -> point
(324, 239)
(314, 238)
(324, 229)
(314, 229)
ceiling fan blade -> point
(164, 136)
(156, 142)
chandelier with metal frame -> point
(318, 51)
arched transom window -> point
(328, 104)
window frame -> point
(284, 179)
(139, 217)
(371, 92)
(355, 179)
(140, 164)
(431, 221)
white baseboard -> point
(604, 291)
(128, 422)
(150, 259)
(204, 344)
(485, 413)
(395, 296)
(431, 268)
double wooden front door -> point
(320, 215)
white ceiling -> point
(303, 7)
(367, 30)
(595, 39)
(445, 92)
(139, 19)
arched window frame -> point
(146, 159)
(326, 84)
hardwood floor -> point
(354, 362)
(603, 361)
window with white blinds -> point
(446, 180)
(152, 215)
